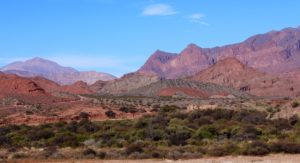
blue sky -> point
(117, 36)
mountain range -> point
(263, 65)
(274, 52)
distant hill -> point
(55, 72)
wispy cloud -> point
(197, 18)
(159, 10)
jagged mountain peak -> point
(272, 52)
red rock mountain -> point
(54, 72)
(38, 89)
(79, 87)
(228, 72)
(15, 85)
(24, 89)
(231, 72)
(273, 52)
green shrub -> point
(169, 109)
(65, 140)
(178, 135)
(206, 132)
(72, 126)
(40, 134)
(167, 134)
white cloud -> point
(197, 18)
(159, 10)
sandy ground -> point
(229, 159)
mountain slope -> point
(54, 72)
(25, 90)
(128, 82)
(15, 85)
(156, 63)
(228, 72)
(273, 52)
(232, 73)
(185, 88)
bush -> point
(101, 155)
(72, 127)
(282, 124)
(110, 114)
(19, 156)
(49, 151)
(4, 141)
(251, 117)
(247, 132)
(40, 134)
(89, 152)
(258, 151)
(285, 147)
(133, 148)
(178, 135)
(206, 132)
(169, 109)
(174, 155)
(84, 115)
(139, 156)
(293, 120)
(157, 135)
(29, 112)
(131, 110)
(257, 148)
(65, 140)
(156, 155)
(217, 151)
(87, 126)
(295, 104)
